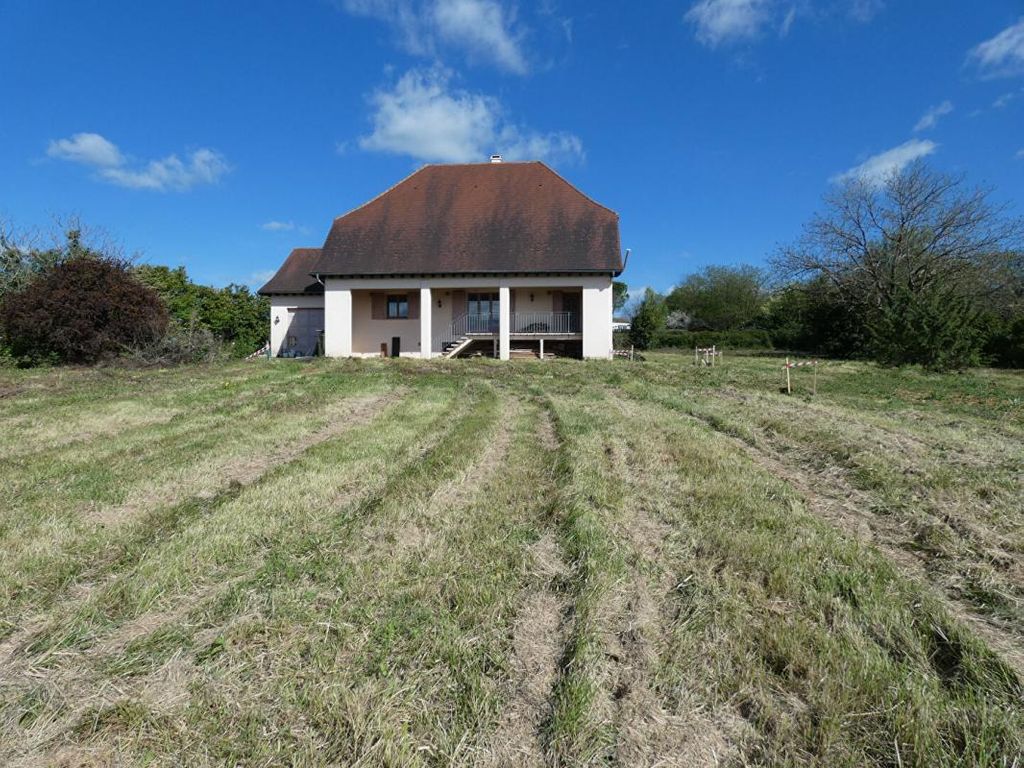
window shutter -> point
(458, 304)
(414, 305)
(556, 301)
(379, 306)
(512, 300)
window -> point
(485, 304)
(398, 307)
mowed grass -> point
(395, 563)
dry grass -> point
(468, 563)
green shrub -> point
(84, 310)
(234, 315)
(648, 321)
(752, 339)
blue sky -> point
(220, 135)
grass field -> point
(383, 563)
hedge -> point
(668, 339)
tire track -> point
(832, 499)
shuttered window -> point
(398, 307)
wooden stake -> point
(696, 357)
(789, 390)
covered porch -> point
(462, 317)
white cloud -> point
(259, 278)
(865, 10)
(424, 117)
(483, 28)
(1003, 100)
(931, 118)
(1020, 154)
(1002, 55)
(719, 22)
(278, 226)
(201, 166)
(86, 148)
(787, 22)
(724, 21)
(878, 168)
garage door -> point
(304, 329)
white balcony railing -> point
(545, 322)
(520, 323)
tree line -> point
(920, 269)
(79, 300)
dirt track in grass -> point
(542, 564)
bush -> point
(83, 310)
(232, 314)
(1005, 346)
(811, 317)
(718, 298)
(671, 339)
(648, 320)
(179, 345)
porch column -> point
(597, 319)
(426, 333)
(504, 321)
(337, 321)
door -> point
(572, 304)
(482, 313)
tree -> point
(233, 314)
(917, 259)
(648, 319)
(719, 298)
(84, 307)
(810, 316)
(620, 294)
(21, 260)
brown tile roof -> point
(488, 217)
(295, 275)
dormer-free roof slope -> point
(479, 218)
(296, 274)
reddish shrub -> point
(82, 310)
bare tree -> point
(919, 256)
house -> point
(487, 258)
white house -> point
(490, 258)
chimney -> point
(495, 158)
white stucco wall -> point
(542, 299)
(368, 334)
(441, 317)
(597, 320)
(338, 322)
(281, 318)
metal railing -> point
(545, 322)
(539, 323)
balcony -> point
(544, 323)
(522, 325)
